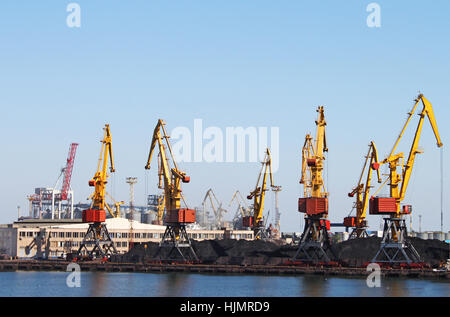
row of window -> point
(137, 235)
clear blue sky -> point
(230, 63)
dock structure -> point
(91, 266)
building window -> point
(22, 233)
(75, 234)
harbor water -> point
(105, 284)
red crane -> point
(68, 172)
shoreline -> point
(276, 270)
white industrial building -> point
(58, 237)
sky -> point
(254, 63)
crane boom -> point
(426, 111)
(100, 178)
(316, 162)
(399, 182)
(68, 170)
(171, 176)
(394, 245)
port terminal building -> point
(32, 238)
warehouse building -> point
(58, 237)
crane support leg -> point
(358, 233)
(315, 242)
(394, 246)
(261, 233)
(97, 242)
(175, 238)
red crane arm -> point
(68, 171)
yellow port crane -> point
(116, 213)
(361, 192)
(256, 221)
(394, 245)
(315, 241)
(170, 180)
(97, 234)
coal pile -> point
(353, 252)
(356, 252)
(433, 252)
(228, 251)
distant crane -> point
(116, 206)
(216, 207)
(52, 197)
(256, 221)
(361, 191)
(242, 211)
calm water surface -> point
(194, 285)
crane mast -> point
(394, 245)
(314, 242)
(170, 179)
(97, 234)
(307, 152)
(316, 161)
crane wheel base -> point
(98, 237)
(176, 246)
(394, 246)
(358, 233)
(315, 243)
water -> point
(32, 284)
